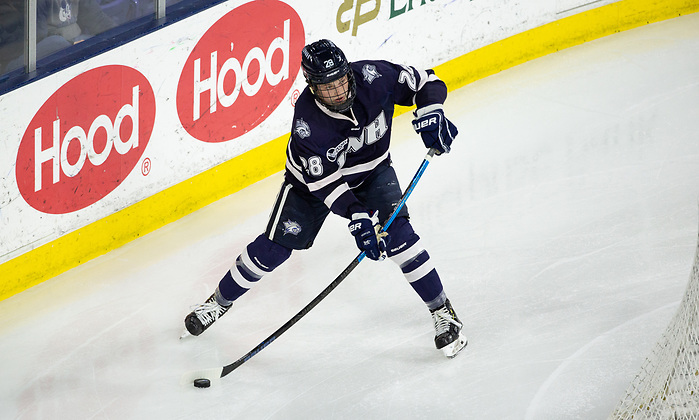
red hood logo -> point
(85, 139)
(240, 70)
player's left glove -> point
(366, 231)
(435, 129)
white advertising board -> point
(108, 132)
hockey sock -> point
(220, 299)
(414, 261)
(260, 257)
(423, 278)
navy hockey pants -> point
(296, 219)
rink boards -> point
(181, 142)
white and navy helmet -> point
(323, 62)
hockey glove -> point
(366, 231)
(436, 130)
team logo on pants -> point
(292, 227)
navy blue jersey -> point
(331, 153)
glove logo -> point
(354, 226)
(436, 131)
(419, 125)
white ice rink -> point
(563, 224)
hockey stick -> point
(214, 374)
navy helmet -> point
(323, 62)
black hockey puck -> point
(202, 383)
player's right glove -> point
(366, 231)
(435, 129)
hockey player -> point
(338, 161)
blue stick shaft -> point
(406, 194)
(231, 367)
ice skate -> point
(448, 337)
(203, 316)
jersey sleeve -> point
(418, 87)
(321, 175)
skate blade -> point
(453, 349)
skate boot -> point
(448, 337)
(204, 315)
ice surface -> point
(563, 225)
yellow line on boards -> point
(111, 232)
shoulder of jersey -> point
(372, 73)
(309, 120)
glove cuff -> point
(425, 109)
(360, 215)
(365, 215)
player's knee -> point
(402, 238)
(265, 254)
